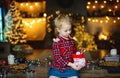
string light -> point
(114, 21)
(109, 6)
(116, 6)
(21, 4)
(109, 10)
(94, 6)
(36, 4)
(26, 4)
(96, 20)
(96, 2)
(89, 3)
(44, 14)
(88, 7)
(105, 2)
(31, 7)
(30, 24)
(93, 20)
(105, 20)
(39, 20)
(101, 21)
(117, 1)
(118, 18)
(89, 19)
(107, 17)
(102, 6)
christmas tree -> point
(14, 32)
(83, 38)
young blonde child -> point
(63, 48)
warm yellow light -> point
(109, 10)
(57, 12)
(89, 3)
(89, 19)
(44, 19)
(70, 14)
(54, 39)
(36, 4)
(96, 1)
(102, 6)
(21, 4)
(101, 21)
(105, 2)
(30, 26)
(39, 20)
(94, 6)
(33, 21)
(103, 53)
(26, 4)
(44, 14)
(117, 1)
(31, 7)
(114, 21)
(106, 21)
(34, 29)
(96, 20)
(107, 18)
(88, 7)
(118, 18)
(116, 6)
(93, 20)
(27, 24)
(102, 36)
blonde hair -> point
(60, 19)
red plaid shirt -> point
(62, 52)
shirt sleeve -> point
(57, 55)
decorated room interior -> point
(27, 34)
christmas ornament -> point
(4, 62)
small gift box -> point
(80, 59)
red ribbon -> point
(78, 56)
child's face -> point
(65, 29)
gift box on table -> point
(112, 59)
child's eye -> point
(65, 30)
(69, 29)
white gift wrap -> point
(113, 52)
(11, 59)
(80, 61)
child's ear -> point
(57, 29)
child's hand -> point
(78, 67)
(74, 66)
